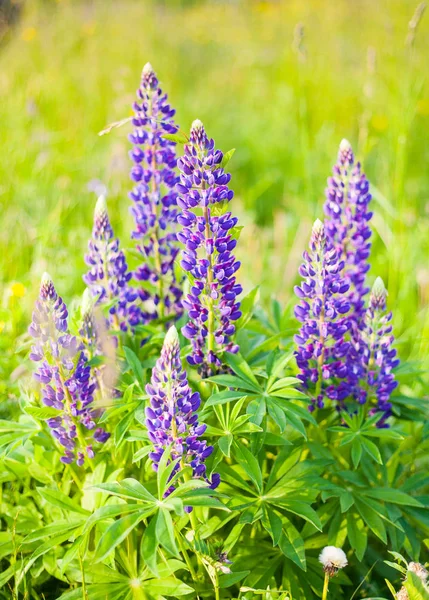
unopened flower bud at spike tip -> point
(101, 206)
(46, 279)
(87, 302)
(197, 124)
(172, 337)
(147, 69)
(379, 289)
(318, 226)
(345, 145)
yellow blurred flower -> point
(2, 326)
(29, 34)
(17, 290)
(380, 122)
(423, 107)
(89, 28)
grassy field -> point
(282, 82)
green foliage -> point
(292, 482)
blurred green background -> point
(281, 81)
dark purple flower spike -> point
(208, 257)
(67, 383)
(171, 417)
(154, 197)
(347, 225)
(108, 276)
(378, 357)
(322, 310)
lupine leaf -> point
(57, 498)
(149, 547)
(134, 363)
(242, 369)
(165, 532)
(118, 531)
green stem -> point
(216, 586)
(186, 557)
(325, 587)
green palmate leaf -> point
(100, 591)
(134, 363)
(227, 157)
(292, 545)
(249, 463)
(242, 369)
(122, 427)
(179, 138)
(168, 586)
(394, 496)
(165, 532)
(346, 501)
(282, 384)
(273, 524)
(356, 452)
(51, 530)
(302, 510)
(42, 413)
(149, 547)
(371, 449)
(372, 519)
(224, 398)
(127, 488)
(277, 414)
(60, 500)
(247, 307)
(142, 453)
(224, 444)
(357, 534)
(109, 512)
(225, 581)
(232, 381)
(118, 532)
(165, 476)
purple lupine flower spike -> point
(108, 275)
(379, 358)
(172, 418)
(154, 197)
(208, 255)
(322, 310)
(65, 377)
(347, 229)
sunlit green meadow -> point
(282, 82)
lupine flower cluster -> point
(154, 197)
(379, 358)
(347, 224)
(65, 377)
(172, 418)
(360, 359)
(322, 311)
(208, 255)
(108, 277)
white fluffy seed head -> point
(333, 558)
(419, 569)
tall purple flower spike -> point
(347, 229)
(108, 275)
(322, 310)
(378, 356)
(154, 197)
(66, 380)
(172, 418)
(208, 255)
